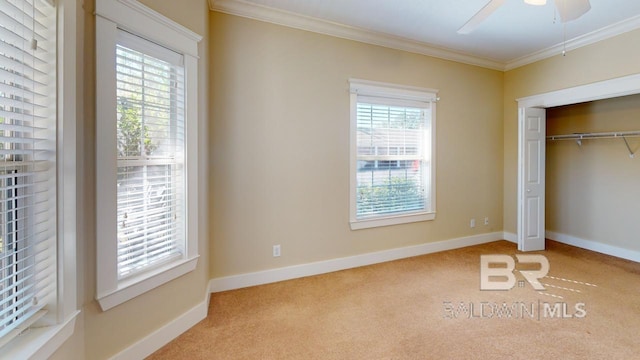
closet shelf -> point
(578, 137)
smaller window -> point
(392, 147)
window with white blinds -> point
(27, 163)
(146, 151)
(392, 154)
(150, 154)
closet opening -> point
(532, 145)
(592, 171)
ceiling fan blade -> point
(572, 9)
(480, 16)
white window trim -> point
(40, 342)
(133, 17)
(397, 92)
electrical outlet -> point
(472, 223)
(486, 220)
(276, 250)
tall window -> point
(150, 143)
(392, 135)
(147, 150)
(27, 164)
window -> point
(392, 146)
(147, 150)
(150, 139)
(27, 164)
(37, 198)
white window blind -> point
(393, 151)
(150, 155)
(392, 143)
(27, 163)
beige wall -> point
(605, 60)
(98, 334)
(280, 145)
(275, 114)
(592, 190)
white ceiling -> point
(514, 35)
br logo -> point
(500, 276)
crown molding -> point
(578, 42)
(259, 12)
(280, 17)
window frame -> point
(50, 333)
(389, 94)
(135, 18)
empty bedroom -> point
(281, 179)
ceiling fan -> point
(568, 10)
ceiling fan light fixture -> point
(536, 2)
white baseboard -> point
(162, 336)
(510, 237)
(594, 246)
(322, 267)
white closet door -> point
(531, 180)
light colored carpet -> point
(402, 310)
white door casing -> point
(531, 179)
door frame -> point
(622, 86)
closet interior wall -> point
(592, 190)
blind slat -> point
(21, 67)
(150, 229)
(148, 256)
(24, 19)
(140, 248)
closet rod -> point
(578, 137)
(602, 135)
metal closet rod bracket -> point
(631, 153)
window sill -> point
(40, 343)
(391, 220)
(139, 285)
